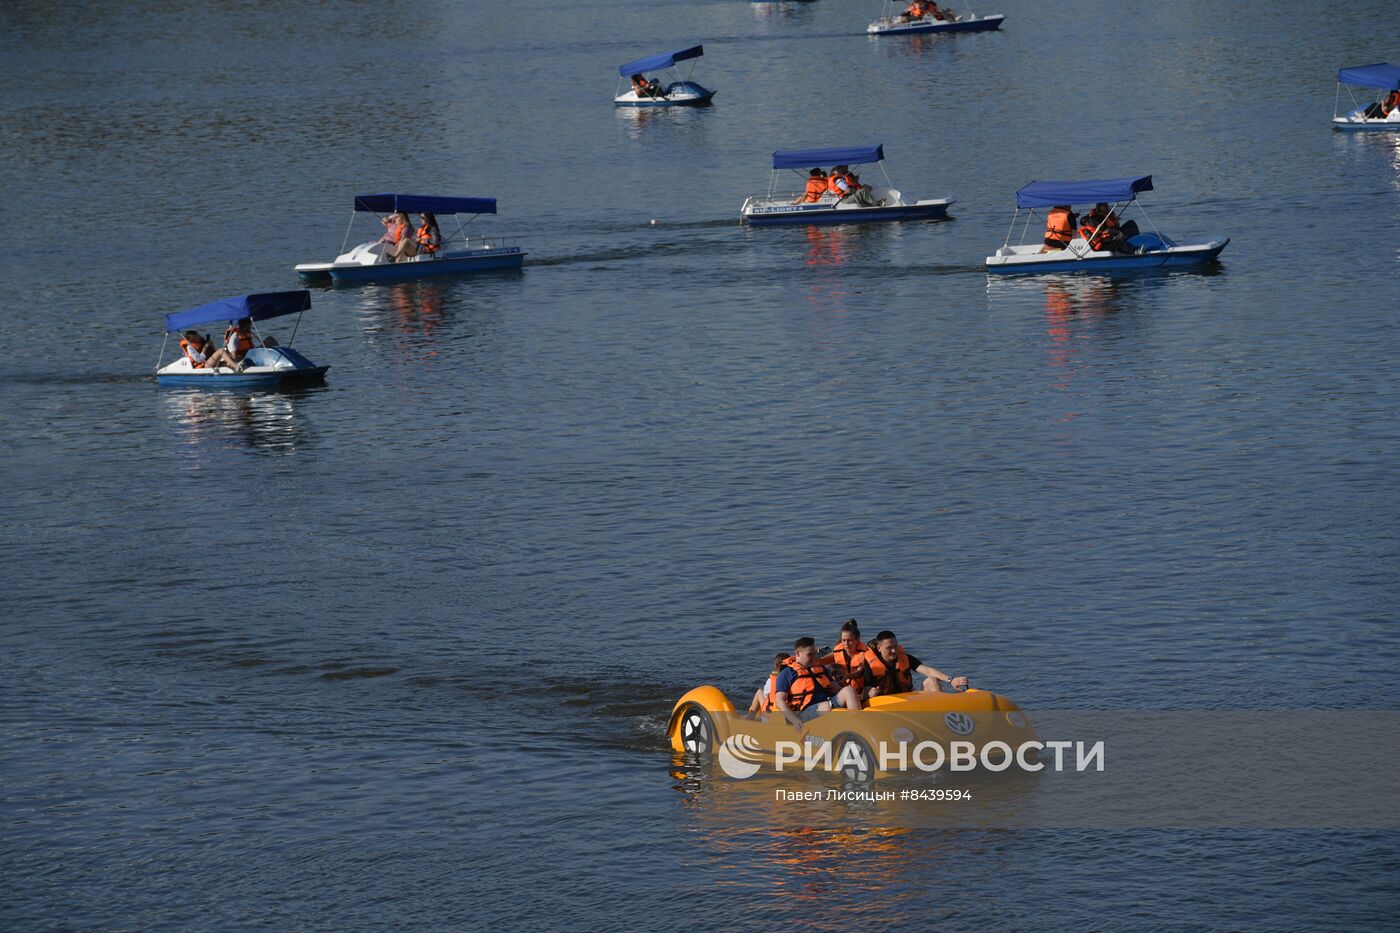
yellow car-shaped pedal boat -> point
(704, 720)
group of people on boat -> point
(841, 182)
(809, 681)
(1383, 108)
(1100, 228)
(402, 242)
(921, 9)
(644, 87)
(239, 338)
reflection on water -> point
(223, 419)
(768, 11)
(828, 248)
(1386, 144)
(417, 309)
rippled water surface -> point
(400, 649)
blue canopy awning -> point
(814, 158)
(1050, 193)
(259, 307)
(664, 60)
(383, 203)
(1381, 75)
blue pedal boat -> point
(1381, 77)
(790, 207)
(645, 92)
(263, 366)
(459, 253)
(896, 22)
(1150, 250)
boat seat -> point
(1150, 241)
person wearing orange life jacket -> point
(763, 696)
(398, 240)
(428, 236)
(816, 187)
(890, 669)
(1382, 108)
(1101, 228)
(846, 658)
(852, 188)
(197, 348)
(238, 340)
(1059, 228)
(804, 690)
(914, 11)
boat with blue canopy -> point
(454, 254)
(1381, 114)
(1100, 241)
(648, 92)
(902, 19)
(267, 363)
(842, 198)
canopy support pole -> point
(1148, 218)
(292, 339)
(1030, 215)
(253, 326)
(888, 184)
(163, 341)
(347, 233)
(1011, 229)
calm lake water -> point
(400, 650)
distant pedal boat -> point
(1381, 77)
(459, 254)
(891, 22)
(1151, 250)
(266, 366)
(777, 208)
(678, 93)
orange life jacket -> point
(852, 663)
(1057, 227)
(197, 358)
(425, 240)
(816, 187)
(1392, 100)
(768, 705)
(238, 342)
(396, 233)
(804, 685)
(1086, 230)
(881, 676)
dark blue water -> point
(400, 650)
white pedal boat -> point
(776, 208)
(1150, 250)
(458, 254)
(262, 366)
(677, 93)
(1381, 77)
(893, 22)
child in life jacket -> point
(763, 696)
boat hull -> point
(1187, 255)
(266, 366)
(803, 214)
(244, 380)
(1348, 125)
(505, 258)
(685, 94)
(983, 24)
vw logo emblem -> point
(959, 723)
